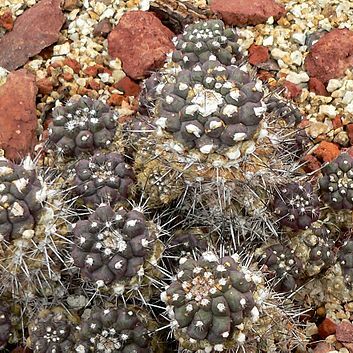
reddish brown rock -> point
(344, 332)
(258, 54)
(327, 151)
(45, 86)
(74, 64)
(311, 163)
(350, 133)
(6, 20)
(323, 347)
(141, 42)
(337, 122)
(18, 119)
(316, 86)
(115, 99)
(31, 33)
(292, 90)
(326, 328)
(128, 87)
(102, 28)
(331, 55)
(247, 12)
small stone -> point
(70, 5)
(102, 28)
(128, 87)
(323, 347)
(18, 101)
(328, 109)
(316, 86)
(115, 99)
(317, 128)
(333, 84)
(342, 139)
(268, 41)
(31, 33)
(244, 12)
(258, 54)
(296, 57)
(344, 332)
(348, 97)
(91, 71)
(327, 151)
(74, 64)
(141, 42)
(311, 163)
(292, 90)
(326, 328)
(299, 37)
(62, 49)
(6, 20)
(297, 78)
(337, 122)
(45, 86)
(350, 133)
(331, 56)
(278, 53)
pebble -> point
(297, 77)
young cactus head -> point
(19, 204)
(115, 330)
(336, 184)
(211, 303)
(210, 107)
(297, 206)
(52, 331)
(204, 40)
(104, 178)
(82, 126)
(282, 264)
(114, 247)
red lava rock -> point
(141, 42)
(337, 122)
(102, 28)
(323, 347)
(245, 12)
(18, 118)
(258, 54)
(129, 87)
(67, 76)
(94, 85)
(331, 55)
(326, 328)
(316, 86)
(327, 151)
(74, 64)
(31, 33)
(350, 133)
(311, 163)
(45, 86)
(6, 20)
(292, 90)
(115, 99)
(91, 71)
(344, 332)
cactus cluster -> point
(82, 126)
(103, 178)
(114, 247)
(19, 200)
(115, 330)
(201, 41)
(210, 303)
(336, 184)
(345, 259)
(297, 206)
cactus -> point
(20, 204)
(115, 248)
(53, 330)
(82, 126)
(336, 184)
(282, 264)
(345, 259)
(203, 40)
(296, 206)
(115, 330)
(105, 177)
